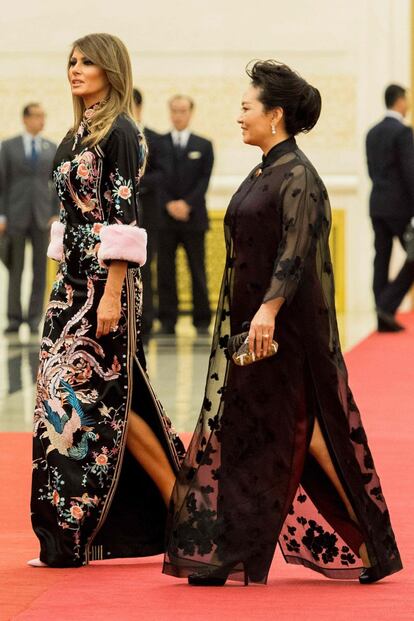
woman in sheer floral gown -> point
(279, 452)
(104, 453)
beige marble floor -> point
(177, 368)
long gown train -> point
(90, 498)
(248, 480)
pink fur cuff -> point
(123, 242)
(55, 248)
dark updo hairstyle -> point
(281, 87)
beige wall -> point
(349, 49)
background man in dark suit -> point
(390, 155)
(184, 217)
(150, 209)
(28, 203)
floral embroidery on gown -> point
(90, 498)
(248, 480)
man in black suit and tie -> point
(184, 217)
(150, 209)
(28, 204)
(390, 156)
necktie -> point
(178, 145)
(33, 153)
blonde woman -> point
(105, 455)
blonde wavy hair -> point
(109, 53)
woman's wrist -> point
(274, 305)
(112, 291)
(116, 277)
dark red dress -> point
(248, 479)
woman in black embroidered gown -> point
(279, 451)
(105, 455)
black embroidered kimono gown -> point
(90, 498)
(248, 479)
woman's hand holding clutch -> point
(262, 327)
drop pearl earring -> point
(273, 129)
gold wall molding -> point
(215, 116)
(215, 258)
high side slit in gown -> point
(91, 499)
(248, 480)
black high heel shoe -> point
(371, 574)
(217, 577)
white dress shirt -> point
(27, 143)
(395, 115)
(180, 139)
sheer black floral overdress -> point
(90, 498)
(248, 479)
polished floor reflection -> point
(177, 367)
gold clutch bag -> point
(238, 348)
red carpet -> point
(382, 377)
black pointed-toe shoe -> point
(387, 322)
(205, 580)
(217, 577)
(369, 575)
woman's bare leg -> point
(319, 451)
(147, 450)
